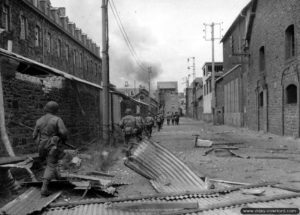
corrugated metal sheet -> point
(30, 201)
(203, 201)
(165, 171)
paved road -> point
(283, 167)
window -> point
(58, 48)
(290, 42)
(37, 33)
(291, 94)
(23, 26)
(48, 42)
(67, 51)
(262, 61)
(74, 57)
(261, 99)
(5, 18)
(80, 60)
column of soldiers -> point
(172, 118)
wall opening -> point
(261, 99)
(291, 94)
(262, 59)
(290, 42)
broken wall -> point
(25, 97)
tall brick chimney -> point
(64, 21)
(72, 28)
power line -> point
(124, 34)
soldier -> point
(128, 125)
(159, 122)
(168, 118)
(49, 133)
(140, 126)
(149, 121)
(173, 118)
(176, 118)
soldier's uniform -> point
(48, 133)
(140, 127)
(129, 127)
(159, 121)
(149, 121)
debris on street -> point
(164, 170)
(28, 203)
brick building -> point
(35, 29)
(43, 56)
(231, 87)
(273, 77)
(260, 88)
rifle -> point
(32, 129)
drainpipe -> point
(4, 136)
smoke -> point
(124, 67)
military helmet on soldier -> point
(51, 107)
(128, 111)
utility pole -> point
(105, 72)
(213, 75)
(194, 84)
(149, 73)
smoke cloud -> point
(124, 66)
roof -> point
(167, 85)
(49, 69)
(27, 203)
(236, 21)
(224, 201)
(210, 63)
(230, 71)
(166, 172)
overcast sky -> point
(164, 33)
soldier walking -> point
(140, 126)
(128, 125)
(149, 121)
(49, 133)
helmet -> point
(51, 107)
(128, 111)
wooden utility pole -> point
(105, 72)
(213, 75)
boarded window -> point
(48, 39)
(262, 59)
(67, 51)
(23, 23)
(37, 33)
(6, 17)
(290, 42)
(261, 99)
(58, 47)
(291, 94)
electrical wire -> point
(125, 35)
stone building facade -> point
(35, 29)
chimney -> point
(94, 48)
(61, 11)
(42, 5)
(98, 51)
(64, 20)
(78, 34)
(54, 14)
(84, 38)
(71, 28)
(89, 42)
